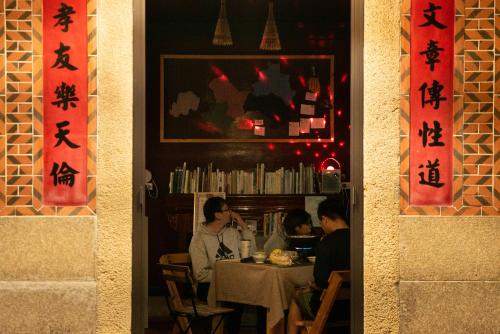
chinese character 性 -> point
(62, 133)
(66, 96)
(434, 94)
(431, 17)
(64, 18)
(62, 60)
(434, 133)
(432, 54)
(432, 174)
(64, 175)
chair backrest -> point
(328, 297)
(176, 273)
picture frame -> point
(246, 98)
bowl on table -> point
(259, 257)
(311, 259)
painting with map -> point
(246, 98)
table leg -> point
(215, 321)
(279, 328)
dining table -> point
(262, 284)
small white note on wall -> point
(307, 109)
(259, 131)
(318, 123)
(293, 129)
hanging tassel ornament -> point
(313, 82)
(270, 37)
(222, 35)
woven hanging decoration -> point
(313, 81)
(270, 37)
(222, 35)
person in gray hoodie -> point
(216, 240)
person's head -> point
(297, 222)
(216, 209)
(332, 215)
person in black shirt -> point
(332, 254)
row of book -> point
(303, 180)
(271, 222)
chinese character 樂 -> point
(66, 96)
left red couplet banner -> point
(65, 102)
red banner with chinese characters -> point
(431, 102)
(65, 102)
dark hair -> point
(294, 219)
(211, 206)
(332, 209)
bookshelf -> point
(302, 179)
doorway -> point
(143, 97)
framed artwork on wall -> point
(246, 98)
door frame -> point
(139, 228)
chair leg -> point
(188, 326)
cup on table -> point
(244, 248)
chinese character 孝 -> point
(434, 94)
(431, 17)
(62, 60)
(434, 133)
(432, 54)
(66, 96)
(433, 174)
(64, 18)
(62, 133)
(64, 175)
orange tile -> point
(471, 190)
(485, 169)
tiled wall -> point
(476, 114)
(21, 112)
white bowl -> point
(311, 259)
(259, 257)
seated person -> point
(296, 222)
(216, 240)
(332, 253)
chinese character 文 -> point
(62, 60)
(64, 175)
(66, 96)
(434, 133)
(431, 17)
(432, 54)
(64, 18)
(61, 135)
(434, 94)
(433, 175)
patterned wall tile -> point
(476, 119)
(21, 110)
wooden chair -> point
(328, 297)
(185, 313)
(175, 297)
